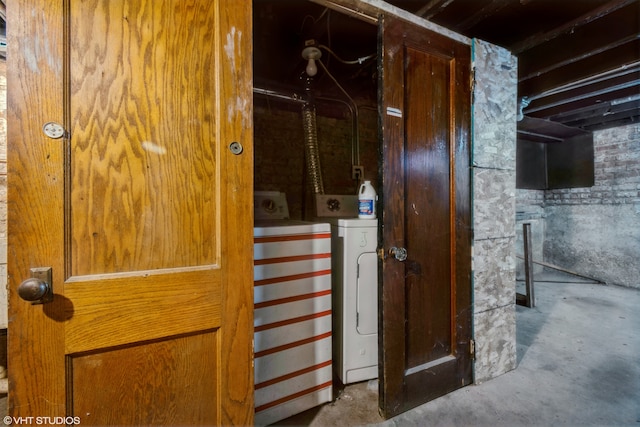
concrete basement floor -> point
(578, 365)
(578, 356)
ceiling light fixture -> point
(311, 53)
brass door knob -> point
(35, 290)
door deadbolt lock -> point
(37, 289)
(398, 253)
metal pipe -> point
(312, 151)
(355, 148)
(311, 148)
(528, 265)
(355, 139)
(295, 98)
(267, 92)
(564, 270)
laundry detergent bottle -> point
(367, 201)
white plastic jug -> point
(367, 201)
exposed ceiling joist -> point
(482, 14)
(578, 60)
(546, 130)
(606, 90)
(570, 26)
(550, 60)
(621, 113)
(615, 59)
(431, 8)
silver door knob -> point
(398, 253)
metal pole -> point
(528, 266)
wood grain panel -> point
(106, 312)
(427, 208)
(141, 211)
(167, 382)
(144, 170)
(235, 109)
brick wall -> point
(616, 168)
(529, 210)
(529, 201)
(280, 154)
(595, 231)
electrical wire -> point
(356, 61)
(315, 20)
(355, 152)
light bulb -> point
(311, 53)
(311, 69)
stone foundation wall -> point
(596, 231)
(530, 210)
(280, 156)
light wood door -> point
(426, 298)
(140, 209)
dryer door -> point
(367, 296)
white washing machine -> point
(292, 311)
(355, 288)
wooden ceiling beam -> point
(552, 130)
(602, 115)
(537, 137)
(613, 123)
(624, 73)
(490, 9)
(549, 110)
(614, 59)
(433, 7)
(576, 57)
(580, 114)
(616, 30)
(597, 13)
(600, 121)
(588, 90)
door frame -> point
(368, 11)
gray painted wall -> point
(594, 231)
(529, 210)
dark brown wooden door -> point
(140, 210)
(426, 298)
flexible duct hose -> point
(312, 152)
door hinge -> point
(472, 84)
(472, 348)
